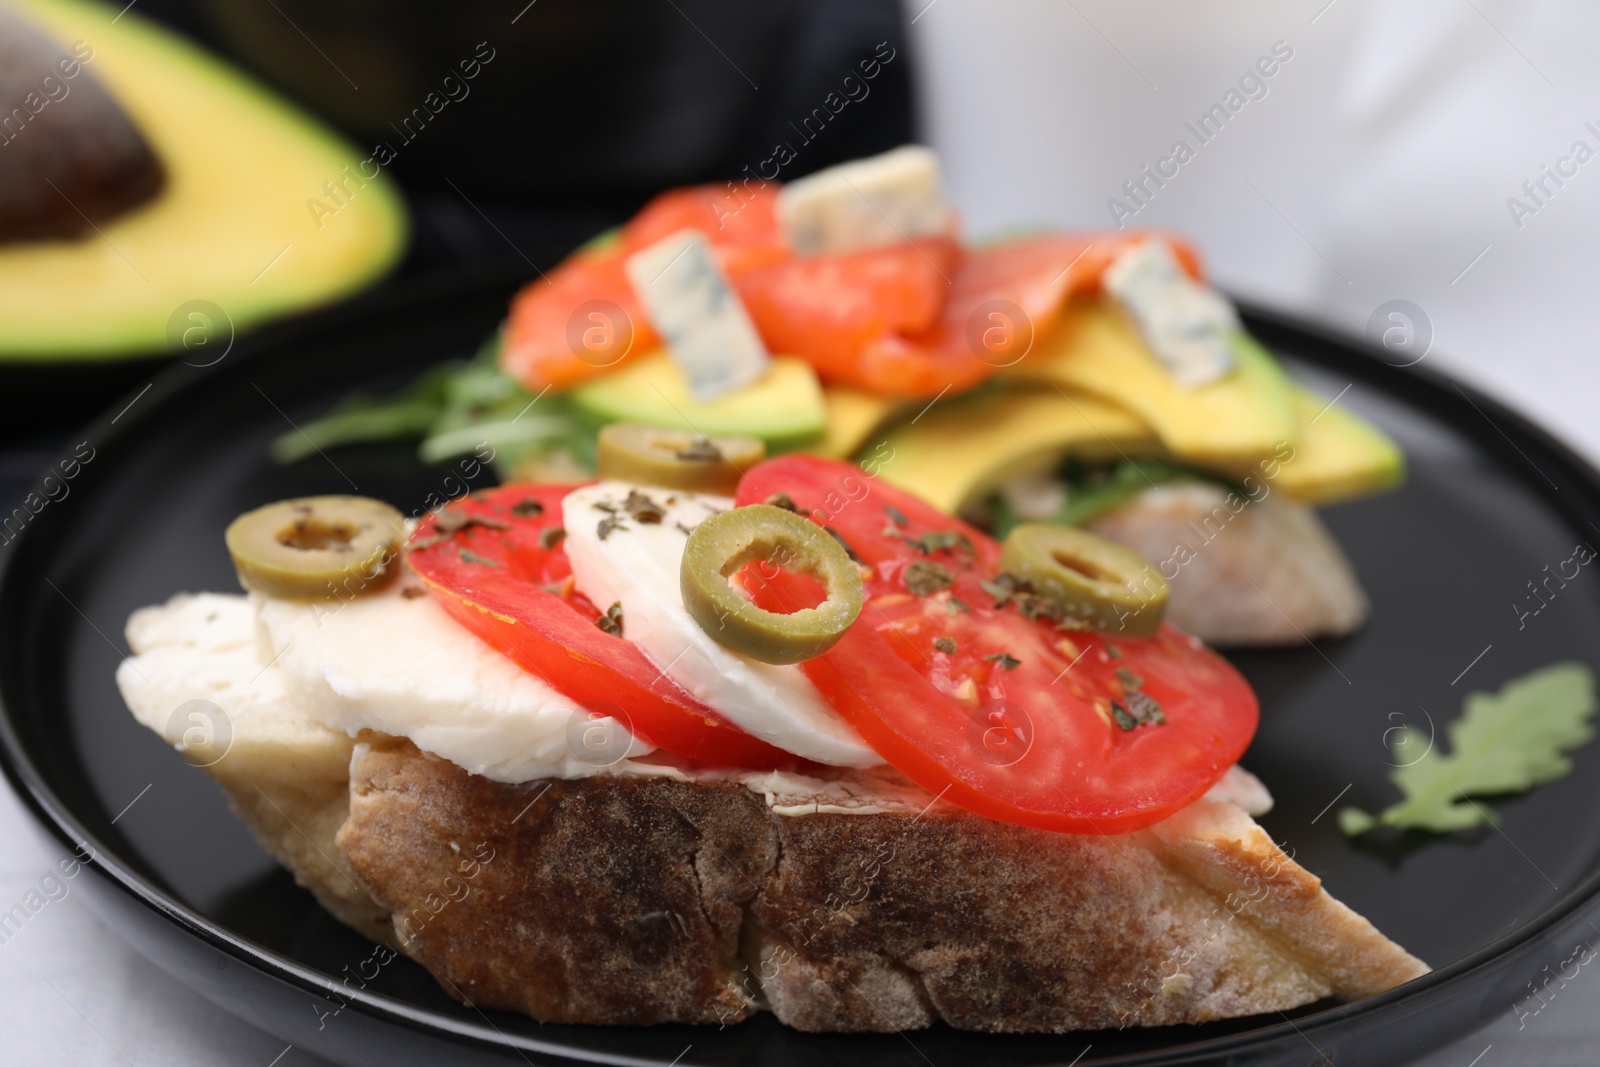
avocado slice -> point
(1337, 454)
(852, 417)
(1095, 349)
(67, 167)
(960, 450)
(263, 211)
(784, 407)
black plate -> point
(1490, 501)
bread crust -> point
(1304, 585)
(638, 900)
(603, 900)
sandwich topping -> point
(722, 545)
(639, 565)
(529, 607)
(728, 610)
(999, 692)
(401, 666)
(816, 618)
(1018, 722)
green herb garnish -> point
(925, 576)
(947, 645)
(1007, 588)
(701, 450)
(1095, 490)
(607, 524)
(896, 516)
(1144, 709)
(551, 536)
(463, 408)
(469, 556)
(1000, 589)
(642, 508)
(527, 509)
(1505, 742)
(941, 540)
(1004, 659)
(449, 520)
(782, 500)
(611, 621)
(1137, 709)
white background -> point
(1377, 167)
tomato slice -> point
(1002, 714)
(503, 576)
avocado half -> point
(262, 211)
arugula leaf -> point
(1087, 499)
(1095, 490)
(364, 418)
(454, 410)
(1505, 742)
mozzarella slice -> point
(691, 305)
(618, 559)
(865, 203)
(1189, 327)
(201, 647)
(398, 664)
(209, 646)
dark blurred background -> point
(517, 129)
(580, 110)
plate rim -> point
(1316, 342)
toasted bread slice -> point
(625, 899)
(855, 903)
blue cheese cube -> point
(708, 332)
(865, 203)
(1189, 327)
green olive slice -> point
(1086, 579)
(674, 459)
(725, 542)
(317, 547)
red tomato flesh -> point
(502, 578)
(1017, 721)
